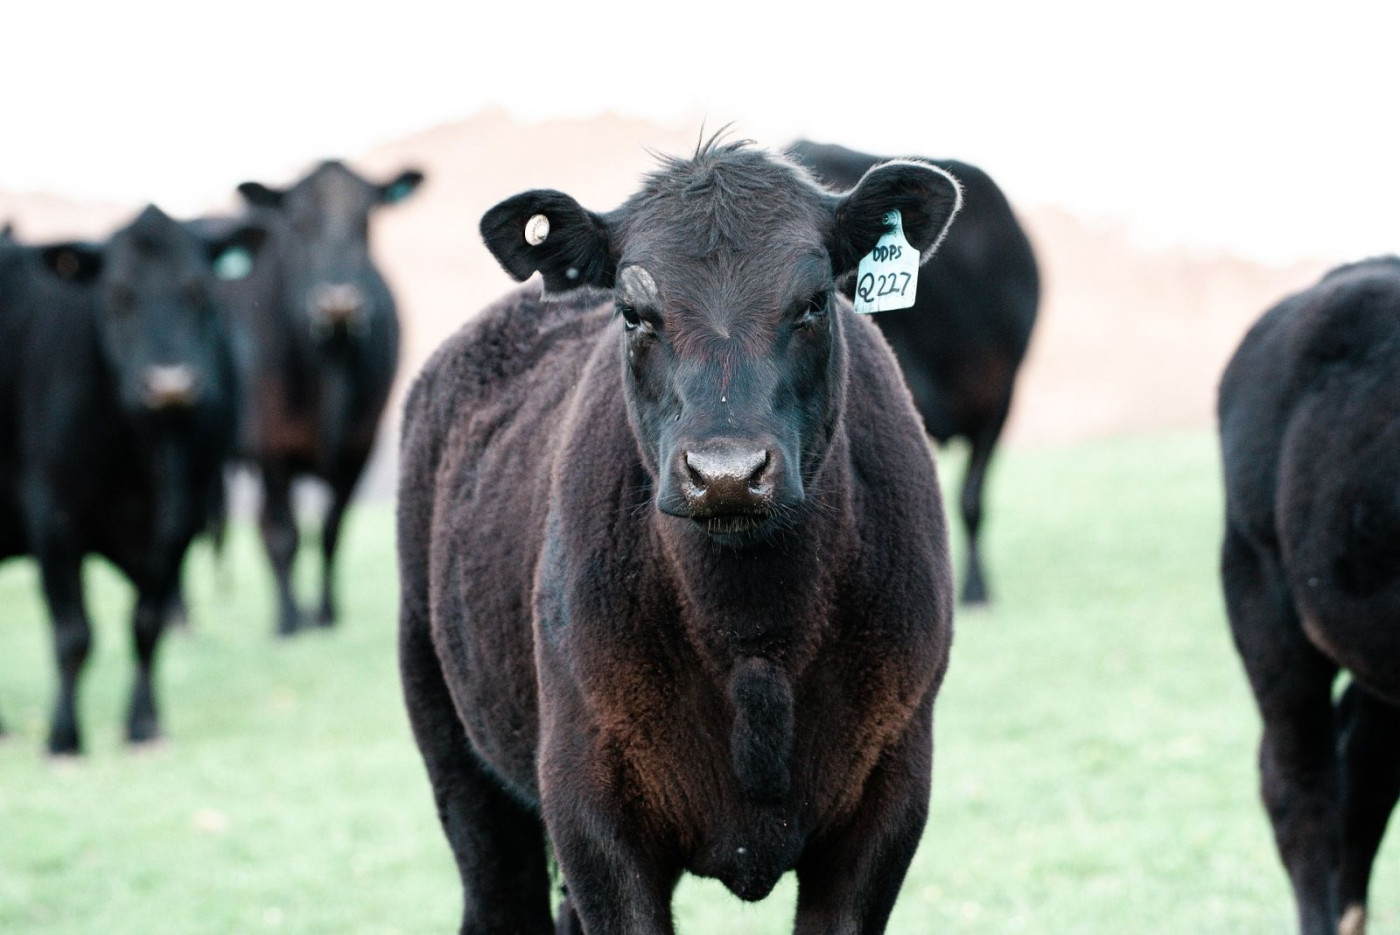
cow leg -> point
(61, 571)
(498, 843)
(848, 878)
(279, 532)
(566, 919)
(342, 488)
(1292, 685)
(984, 443)
(148, 622)
(1370, 753)
(612, 885)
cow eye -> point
(630, 318)
(816, 308)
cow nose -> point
(170, 386)
(338, 304)
(729, 478)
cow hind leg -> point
(498, 843)
(279, 532)
(1370, 755)
(1292, 684)
(979, 461)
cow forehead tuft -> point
(732, 196)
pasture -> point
(1094, 745)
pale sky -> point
(1265, 128)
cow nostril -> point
(697, 478)
(758, 479)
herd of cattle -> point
(676, 587)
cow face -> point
(160, 331)
(333, 286)
(723, 271)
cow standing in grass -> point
(676, 588)
(319, 336)
(960, 345)
(116, 417)
(1310, 429)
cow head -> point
(332, 284)
(160, 329)
(723, 270)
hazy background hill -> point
(1132, 337)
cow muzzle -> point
(167, 387)
(730, 486)
(339, 307)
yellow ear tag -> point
(888, 276)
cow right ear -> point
(73, 262)
(549, 231)
(261, 196)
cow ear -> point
(233, 255)
(549, 231)
(925, 196)
(74, 262)
(391, 193)
(260, 195)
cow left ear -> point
(391, 193)
(233, 255)
(73, 262)
(926, 197)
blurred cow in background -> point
(318, 338)
(962, 341)
(117, 401)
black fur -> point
(962, 342)
(610, 641)
(96, 455)
(317, 366)
(1310, 432)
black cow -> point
(962, 341)
(321, 338)
(116, 417)
(676, 586)
(1310, 430)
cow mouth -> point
(729, 524)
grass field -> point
(1095, 767)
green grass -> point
(1095, 765)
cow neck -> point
(771, 600)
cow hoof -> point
(327, 617)
(63, 742)
(289, 625)
(975, 597)
(1353, 922)
(144, 745)
(143, 732)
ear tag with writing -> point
(888, 275)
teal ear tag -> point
(233, 264)
(888, 275)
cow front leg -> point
(849, 877)
(618, 876)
